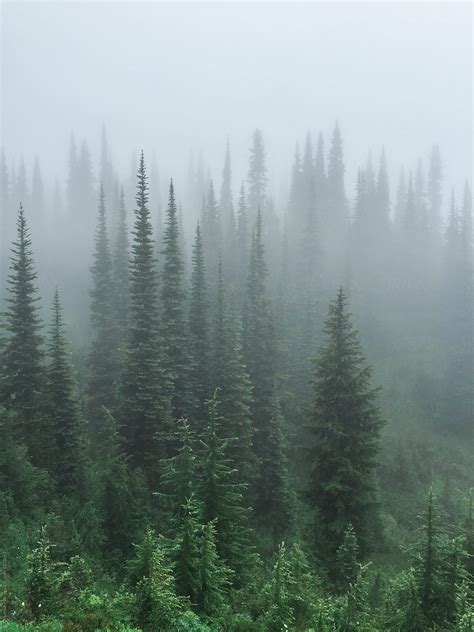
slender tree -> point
(346, 426)
(22, 379)
(172, 314)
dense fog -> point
(244, 220)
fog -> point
(181, 77)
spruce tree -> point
(65, 445)
(242, 235)
(213, 575)
(212, 232)
(144, 413)
(230, 377)
(346, 425)
(172, 314)
(257, 176)
(102, 356)
(222, 495)
(121, 274)
(199, 333)
(186, 551)
(22, 379)
(260, 358)
(347, 559)
(228, 216)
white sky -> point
(177, 76)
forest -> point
(226, 410)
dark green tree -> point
(347, 559)
(102, 355)
(346, 425)
(230, 377)
(120, 264)
(260, 357)
(22, 358)
(144, 412)
(67, 437)
(257, 176)
(222, 495)
(213, 575)
(187, 551)
(199, 333)
(173, 326)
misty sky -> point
(177, 76)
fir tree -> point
(347, 558)
(22, 357)
(143, 410)
(120, 272)
(346, 425)
(222, 495)
(213, 575)
(231, 379)
(187, 551)
(102, 357)
(260, 357)
(65, 447)
(172, 314)
(199, 332)
(257, 175)
(242, 234)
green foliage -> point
(346, 426)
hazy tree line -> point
(212, 451)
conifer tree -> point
(212, 232)
(213, 574)
(199, 333)
(178, 475)
(222, 495)
(172, 314)
(231, 379)
(346, 425)
(347, 558)
(22, 358)
(65, 445)
(257, 176)
(260, 358)
(228, 216)
(187, 551)
(121, 272)
(242, 234)
(143, 409)
(102, 357)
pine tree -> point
(65, 445)
(222, 495)
(347, 558)
(257, 176)
(213, 575)
(172, 314)
(199, 333)
(242, 235)
(121, 272)
(227, 214)
(178, 474)
(346, 425)
(187, 551)
(143, 410)
(212, 232)
(102, 356)
(22, 358)
(231, 379)
(260, 358)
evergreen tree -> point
(187, 551)
(242, 234)
(213, 575)
(143, 410)
(102, 356)
(40, 581)
(22, 358)
(172, 314)
(228, 216)
(120, 272)
(231, 379)
(222, 495)
(257, 176)
(260, 357)
(346, 425)
(65, 446)
(212, 232)
(199, 332)
(347, 557)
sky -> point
(175, 77)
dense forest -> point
(232, 407)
